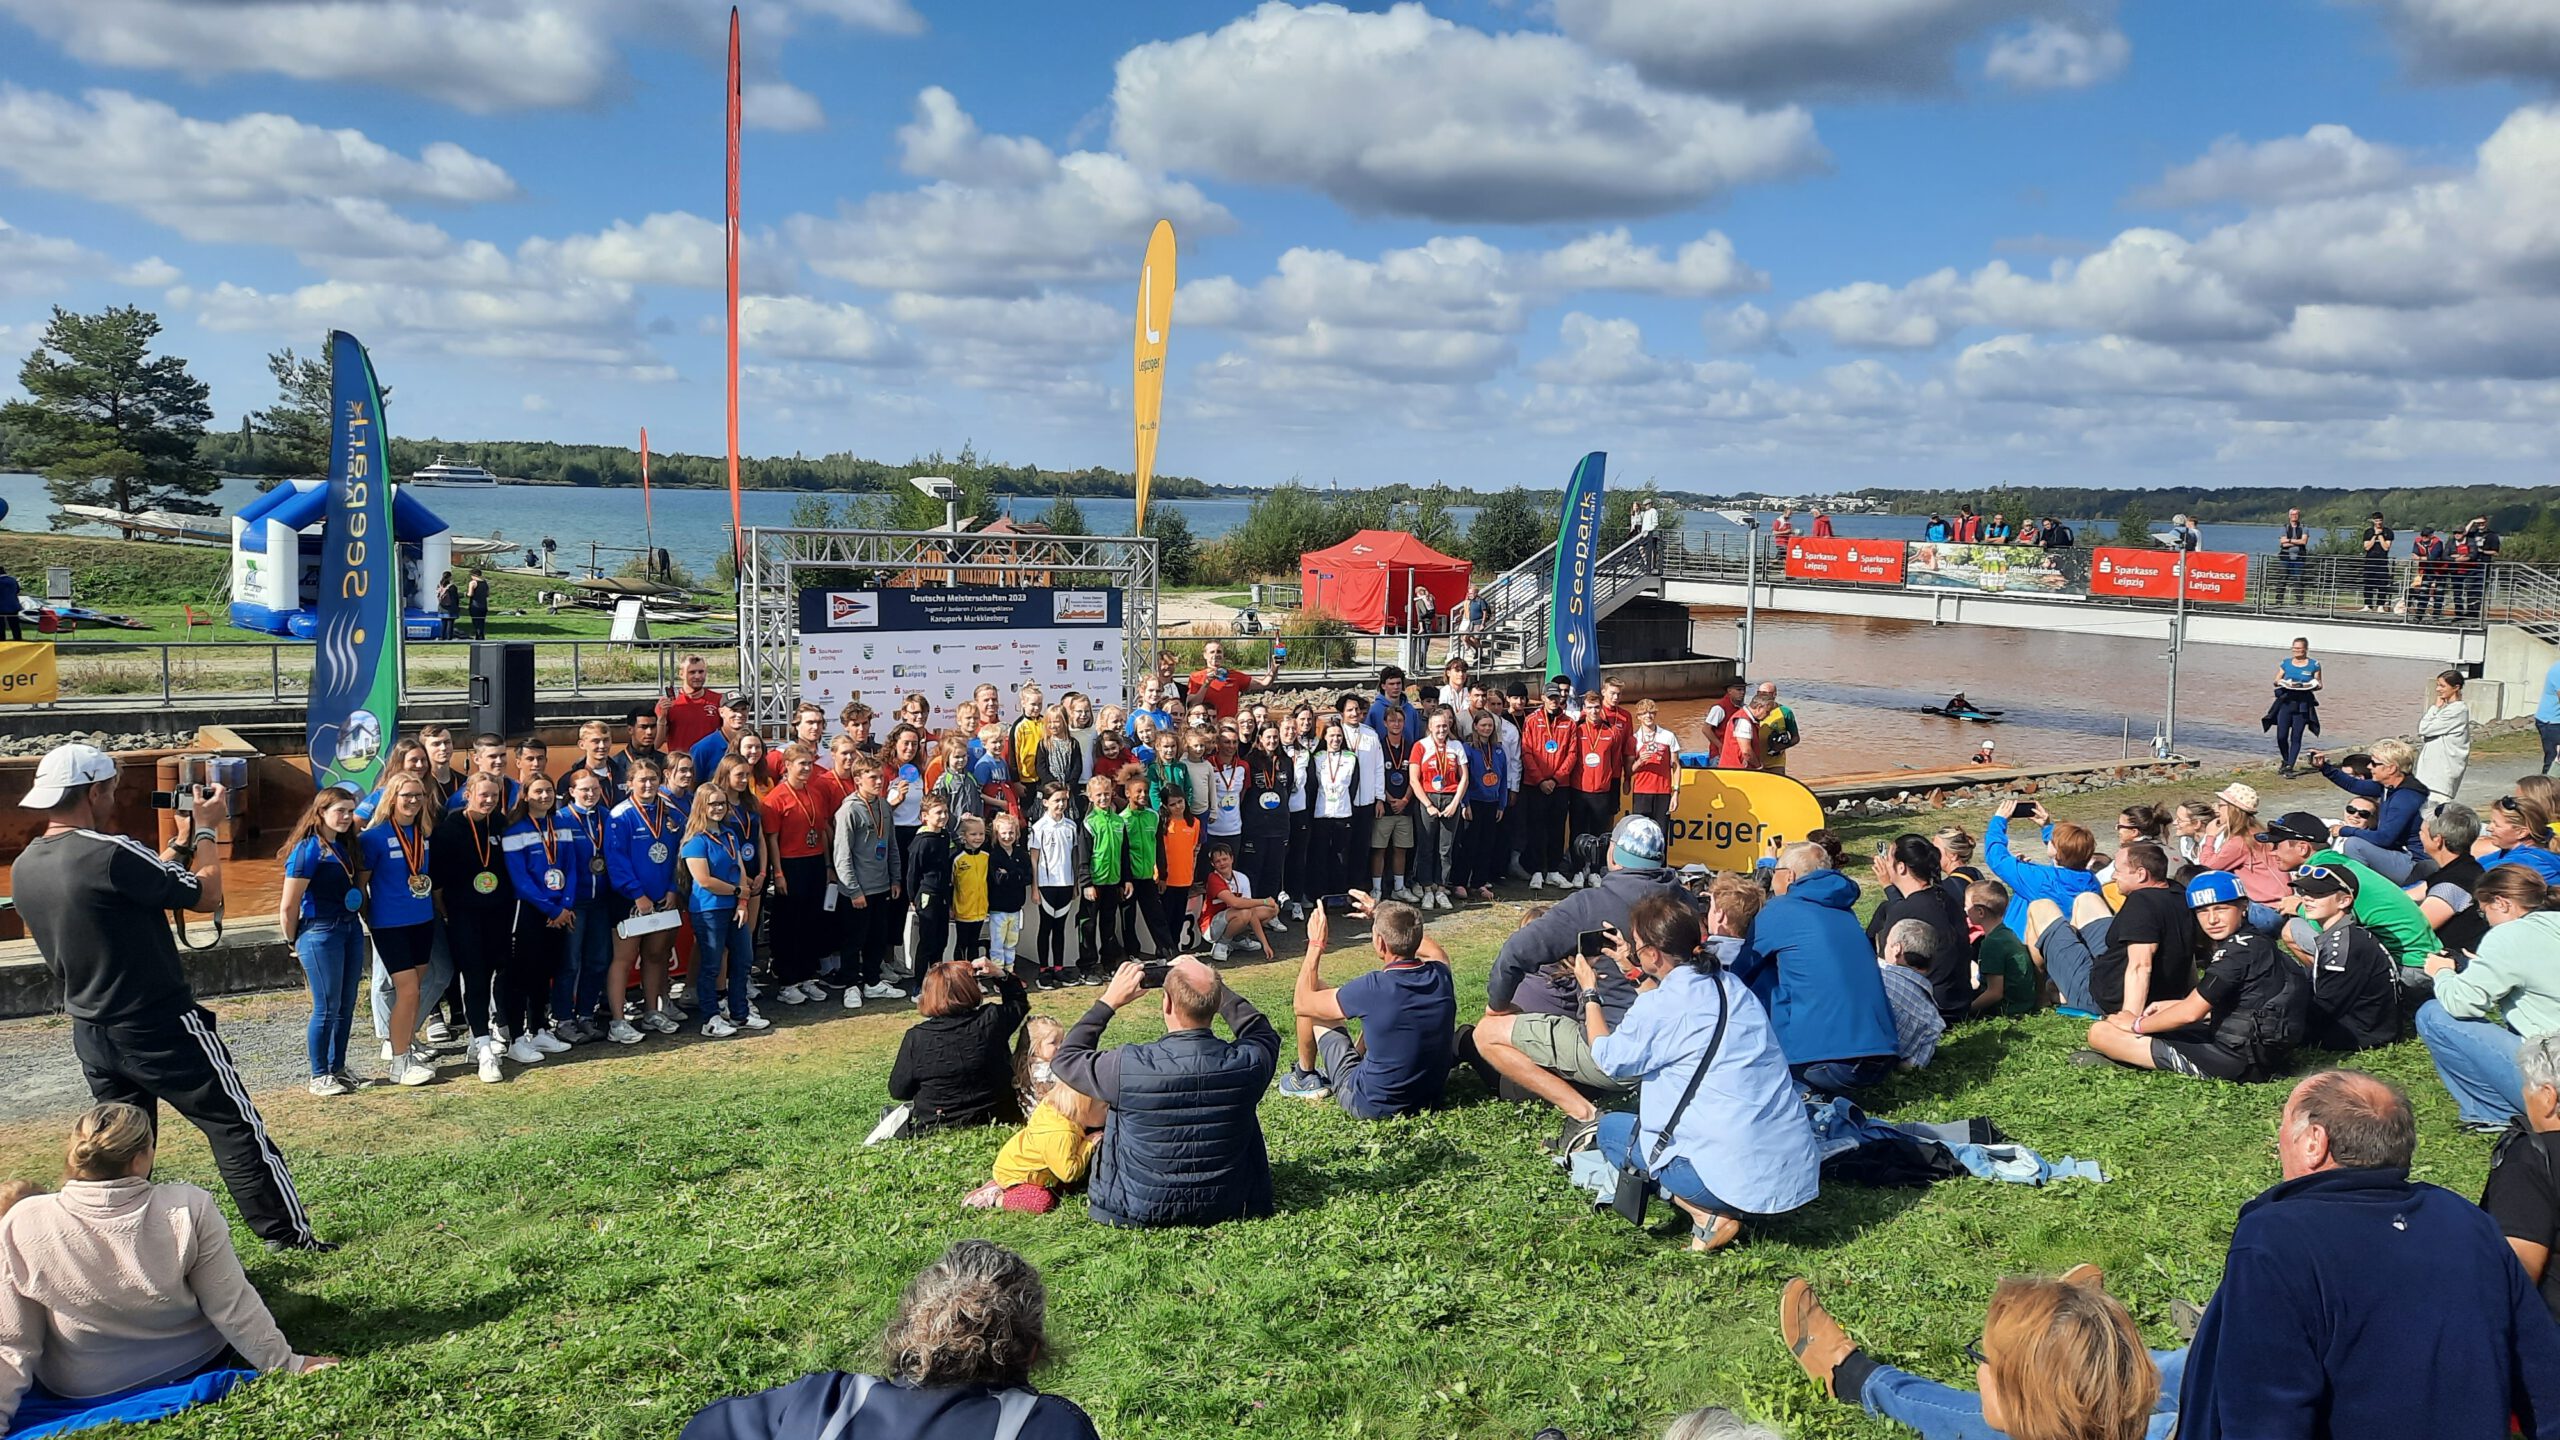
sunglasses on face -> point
(1973, 1352)
(2359, 814)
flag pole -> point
(737, 519)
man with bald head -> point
(1183, 1145)
(2356, 1302)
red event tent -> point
(1366, 581)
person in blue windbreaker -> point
(319, 913)
(1808, 960)
(2065, 880)
(577, 993)
(546, 855)
(640, 841)
(716, 906)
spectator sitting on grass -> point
(2010, 982)
(2516, 976)
(1048, 1154)
(1183, 1145)
(2250, 1005)
(2058, 1360)
(1910, 948)
(1808, 961)
(2062, 882)
(2523, 1193)
(1408, 1014)
(2390, 846)
(2117, 964)
(2353, 1003)
(2518, 833)
(122, 1299)
(955, 1066)
(2381, 907)
(958, 1357)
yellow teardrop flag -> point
(1155, 322)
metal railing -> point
(280, 670)
(1323, 657)
(1518, 600)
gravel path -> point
(40, 1077)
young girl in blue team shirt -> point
(320, 916)
(641, 836)
(546, 858)
(578, 994)
(716, 905)
(400, 911)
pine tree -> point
(106, 422)
(1177, 551)
(298, 422)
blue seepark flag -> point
(1573, 636)
(355, 653)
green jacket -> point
(1109, 831)
(1139, 826)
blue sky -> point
(1777, 244)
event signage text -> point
(1836, 557)
(355, 653)
(1573, 624)
(27, 675)
(886, 644)
(1725, 819)
(2213, 577)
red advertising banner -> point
(1833, 557)
(2213, 578)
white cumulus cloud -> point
(2056, 55)
(1787, 48)
(1403, 113)
(2322, 162)
(2461, 39)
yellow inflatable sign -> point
(27, 674)
(1725, 819)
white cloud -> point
(1786, 48)
(2321, 163)
(1611, 260)
(1744, 330)
(1403, 113)
(794, 327)
(483, 56)
(1600, 352)
(256, 179)
(2048, 55)
(2514, 39)
(944, 143)
(2146, 284)
(1021, 219)
(778, 105)
(592, 323)
(153, 273)
(671, 248)
(32, 264)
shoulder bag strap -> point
(1715, 1042)
(843, 1417)
(1013, 1412)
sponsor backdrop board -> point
(1992, 570)
(1725, 819)
(2213, 578)
(887, 644)
(27, 674)
(1833, 557)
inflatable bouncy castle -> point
(275, 562)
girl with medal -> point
(542, 859)
(1265, 807)
(903, 772)
(755, 843)
(1488, 800)
(752, 748)
(1656, 770)
(800, 823)
(407, 757)
(868, 864)
(1299, 765)
(318, 912)
(1336, 780)
(400, 912)
(676, 784)
(579, 994)
(716, 905)
(478, 905)
(640, 842)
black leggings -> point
(1656, 808)
(1332, 859)
(1146, 905)
(1057, 909)
(524, 986)
(1104, 917)
(1299, 875)
(1542, 829)
(1593, 812)
(1264, 859)
(1173, 906)
(481, 938)
(799, 919)
(933, 935)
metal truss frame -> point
(781, 561)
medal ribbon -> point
(415, 855)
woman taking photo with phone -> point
(400, 912)
(320, 914)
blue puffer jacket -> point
(2028, 881)
(1184, 1145)
(2399, 812)
(1808, 960)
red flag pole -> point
(737, 109)
(648, 520)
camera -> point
(1593, 944)
(183, 800)
(1155, 970)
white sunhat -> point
(63, 767)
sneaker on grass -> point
(620, 1032)
(718, 1028)
(1303, 1084)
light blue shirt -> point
(2548, 712)
(1745, 1133)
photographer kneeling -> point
(1719, 1126)
(97, 904)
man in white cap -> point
(1532, 1032)
(96, 903)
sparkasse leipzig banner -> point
(2213, 577)
(1839, 557)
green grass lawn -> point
(601, 1246)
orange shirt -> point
(801, 822)
(1181, 852)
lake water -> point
(1856, 685)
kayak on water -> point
(1987, 717)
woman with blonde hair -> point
(400, 911)
(2058, 1360)
(958, 1358)
(121, 1299)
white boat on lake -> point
(446, 472)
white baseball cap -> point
(63, 767)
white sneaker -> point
(1596, 877)
(1537, 881)
(660, 1023)
(405, 1071)
(791, 995)
(1218, 952)
(1298, 912)
(1405, 895)
(718, 1028)
(437, 1033)
(674, 1012)
(882, 991)
(548, 1043)
(1556, 878)
(853, 997)
(756, 1021)
(1274, 926)
(524, 1052)
(621, 1033)
(329, 1085)
(491, 1070)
